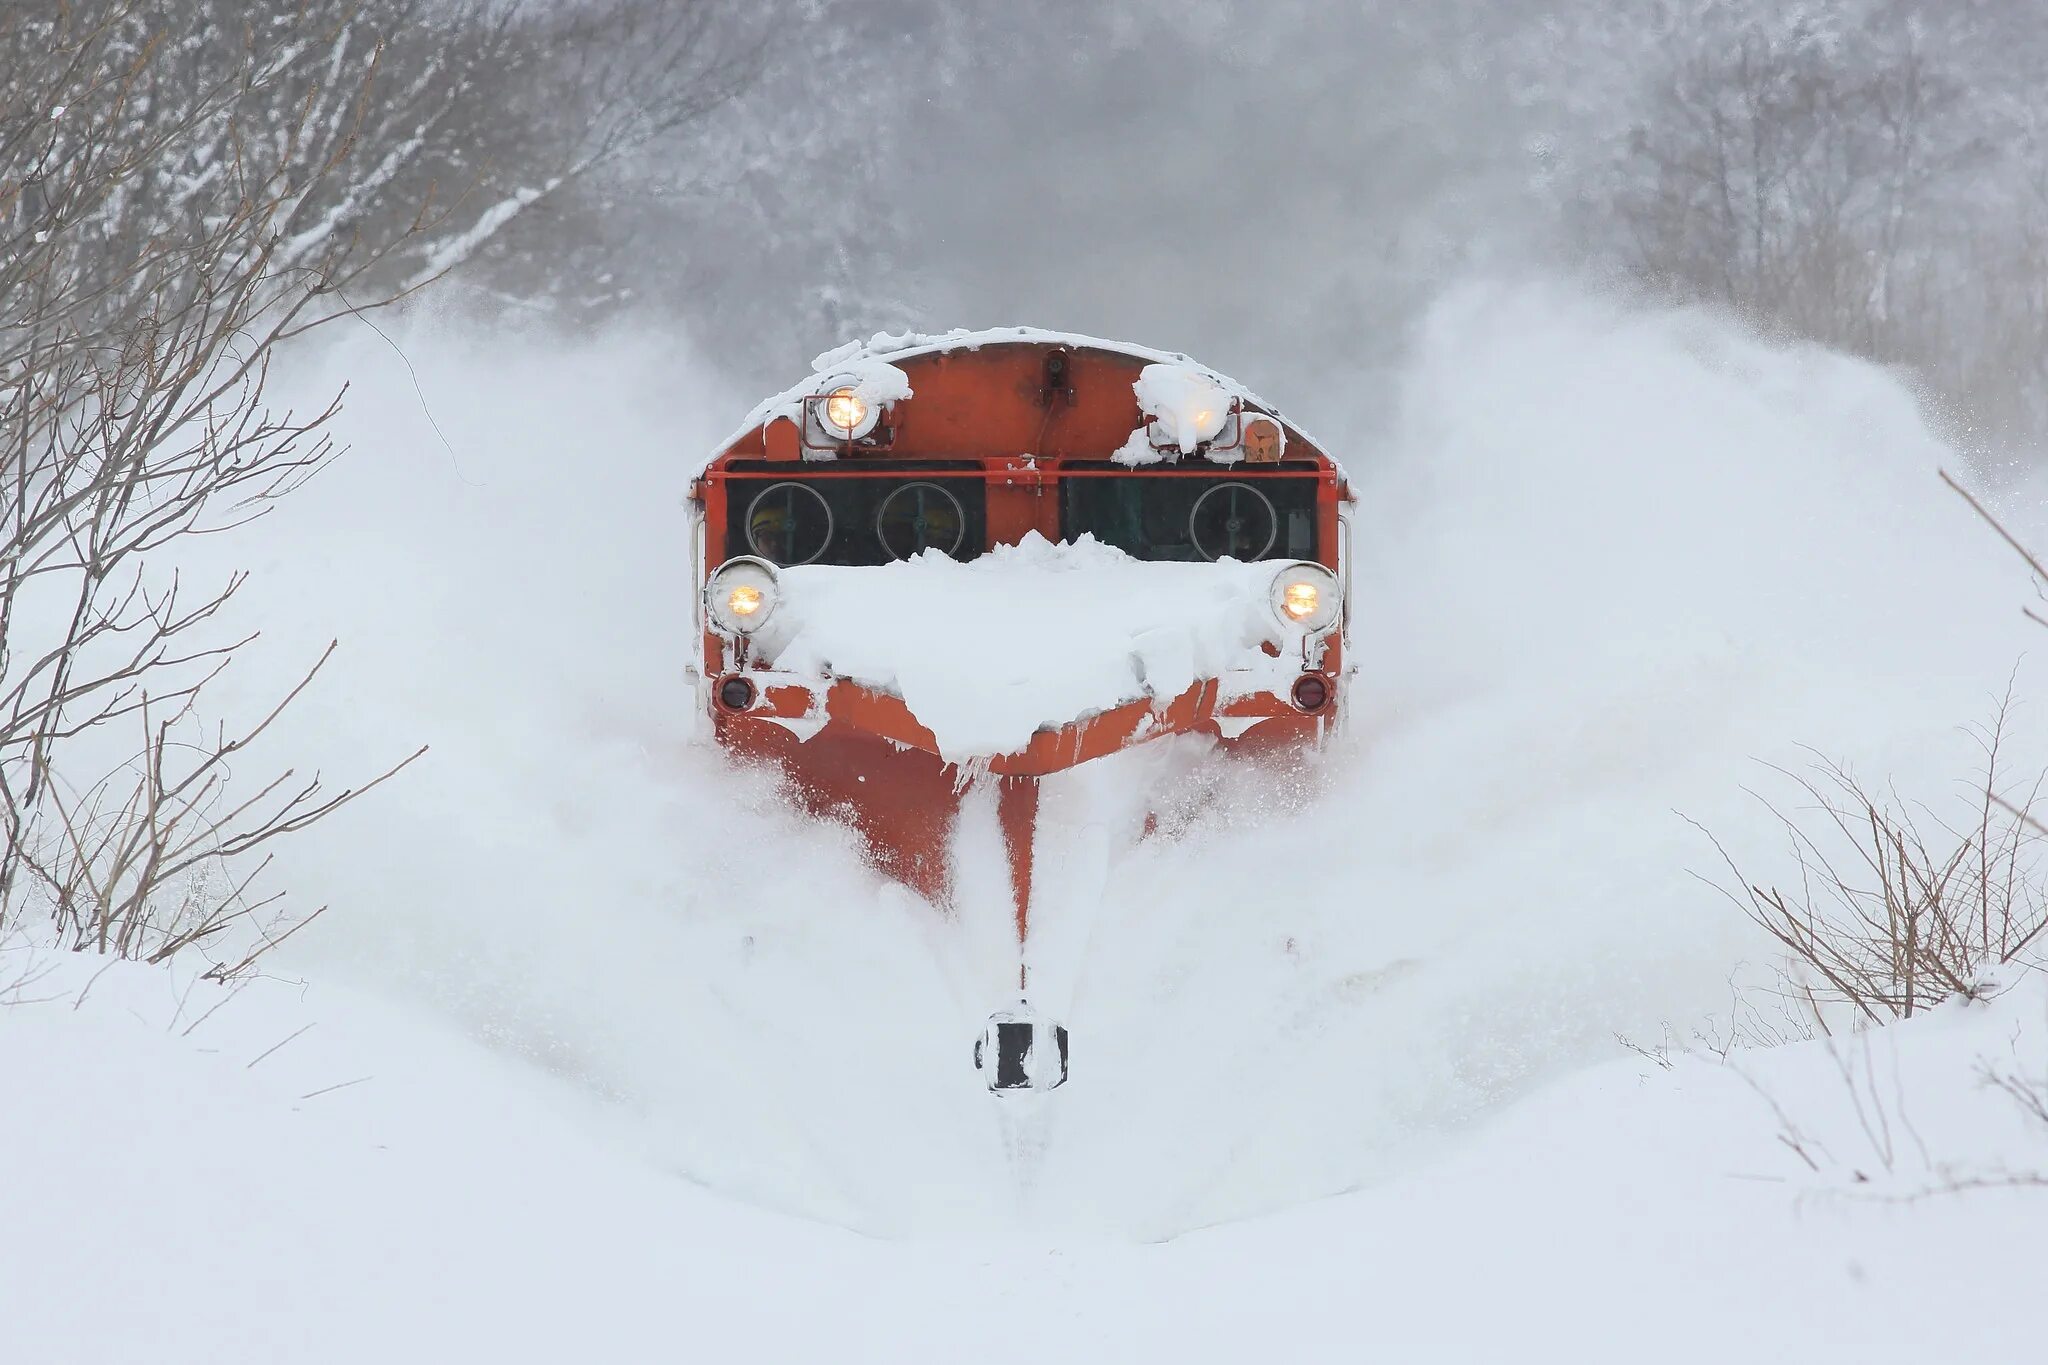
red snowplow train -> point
(960, 444)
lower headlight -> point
(1307, 597)
(741, 595)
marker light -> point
(740, 595)
(1311, 692)
(1307, 597)
(736, 693)
(1263, 440)
(845, 415)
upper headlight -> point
(1186, 406)
(845, 415)
(1307, 597)
(741, 595)
(1197, 417)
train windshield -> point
(853, 519)
(795, 516)
(1173, 516)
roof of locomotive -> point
(870, 364)
(905, 345)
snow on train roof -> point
(905, 345)
(870, 366)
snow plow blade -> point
(1020, 1050)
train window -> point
(1179, 517)
(1233, 521)
(854, 519)
(920, 516)
(789, 523)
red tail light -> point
(736, 693)
(1311, 691)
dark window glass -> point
(789, 523)
(918, 516)
(853, 519)
(1256, 516)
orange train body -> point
(1017, 417)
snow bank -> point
(1607, 560)
(989, 651)
(318, 1176)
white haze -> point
(1607, 562)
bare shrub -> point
(133, 414)
(23, 971)
(155, 857)
(1895, 909)
(2026, 1090)
(186, 186)
(1786, 172)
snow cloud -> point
(1607, 561)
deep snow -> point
(315, 1176)
(1608, 560)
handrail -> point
(1344, 554)
(1013, 473)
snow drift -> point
(1607, 560)
(197, 1181)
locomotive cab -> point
(904, 453)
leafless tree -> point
(185, 186)
(133, 412)
(1861, 173)
(1796, 181)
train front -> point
(944, 569)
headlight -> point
(1187, 407)
(1198, 417)
(845, 415)
(741, 595)
(1307, 597)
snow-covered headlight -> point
(1187, 407)
(1307, 597)
(845, 415)
(1204, 421)
(1197, 418)
(741, 595)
